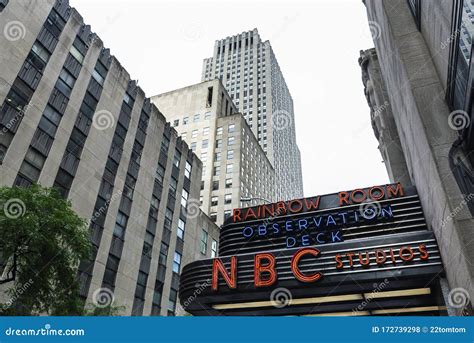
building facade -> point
(249, 70)
(421, 69)
(71, 117)
(234, 164)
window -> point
(227, 198)
(231, 128)
(219, 130)
(177, 158)
(184, 198)
(230, 154)
(76, 54)
(215, 185)
(217, 156)
(196, 117)
(217, 170)
(194, 134)
(181, 228)
(120, 224)
(218, 143)
(230, 140)
(205, 131)
(41, 52)
(160, 173)
(213, 216)
(67, 77)
(203, 247)
(168, 219)
(187, 170)
(173, 186)
(154, 202)
(227, 214)
(214, 248)
(183, 135)
(228, 183)
(165, 144)
(209, 97)
(229, 168)
(207, 115)
(176, 262)
(176, 122)
(163, 254)
(214, 201)
(98, 77)
(204, 156)
(193, 146)
(205, 143)
(172, 302)
(185, 120)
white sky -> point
(317, 43)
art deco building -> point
(419, 84)
(249, 70)
(234, 164)
(72, 117)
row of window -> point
(196, 118)
(203, 244)
(227, 199)
(16, 102)
(45, 134)
(72, 154)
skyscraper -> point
(249, 70)
(234, 165)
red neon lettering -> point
(230, 279)
(343, 198)
(259, 268)
(312, 204)
(398, 191)
(294, 265)
(236, 215)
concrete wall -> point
(415, 82)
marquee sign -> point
(310, 245)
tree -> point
(42, 241)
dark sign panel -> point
(325, 253)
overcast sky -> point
(317, 43)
